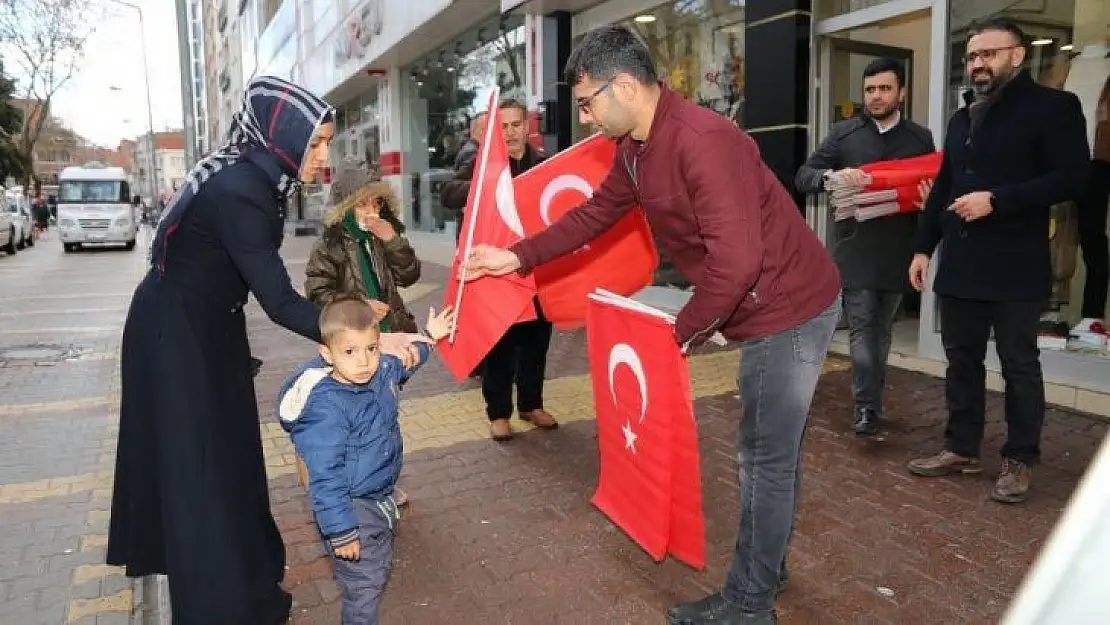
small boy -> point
(341, 412)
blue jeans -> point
(778, 375)
(871, 316)
(363, 581)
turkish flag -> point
(887, 188)
(649, 482)
(491, 304)
(621, 260)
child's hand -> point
(348, 552)
(440, 326)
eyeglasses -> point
(986, 55)
(585, 103)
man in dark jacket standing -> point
(453, 193)
(872, 255)
(1013, 152)
(760, 276)
(520, 357)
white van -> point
(95, 207)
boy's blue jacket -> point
(348, 436)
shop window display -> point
(445, 91)
(698, 48)
(1067, 48)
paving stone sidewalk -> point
(506, 534)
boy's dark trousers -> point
(520, 357)
(363, 581)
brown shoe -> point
(500, 430)
(944, 463)
(1013, 483)
(540, 418)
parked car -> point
(9, 229)
(19, 210)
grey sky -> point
(114, 57)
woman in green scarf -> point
(362, 251)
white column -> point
(391, 161)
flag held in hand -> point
(492, 304)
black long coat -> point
(191, 496)
(1030, 150)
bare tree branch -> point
(45, 40)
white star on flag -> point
(629, 436)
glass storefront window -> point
(1066, 45)
(824, 9)
(698, 48)
(358, 131)
(442, 93)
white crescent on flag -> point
(506, 203)
(558, 184)
(623, 354)
(564, 182)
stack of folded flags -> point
(886, 188)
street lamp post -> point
(149, 108)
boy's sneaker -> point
(400, 497)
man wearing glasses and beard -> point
(1016, 149)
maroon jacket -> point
(720, 214)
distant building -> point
(57, 147)
(192, 57)
(171, 167)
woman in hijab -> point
(190, 497)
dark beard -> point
(985, 89)
(882, 118)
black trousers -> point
(519, 358)
(965, 331)
(1092, 240)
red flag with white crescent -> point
(649, 482)
(491, 304)
(621, 260)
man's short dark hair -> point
(513, 103)
(881, 66)
(606, 52)
(997, 24)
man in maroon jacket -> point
(760, 277)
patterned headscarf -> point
(272, 130)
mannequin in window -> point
(1089, 78)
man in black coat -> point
(1013, 152)
(872, 255)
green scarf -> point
(365, 266)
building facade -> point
(170, 164)
(407, 77)
(192, 56)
